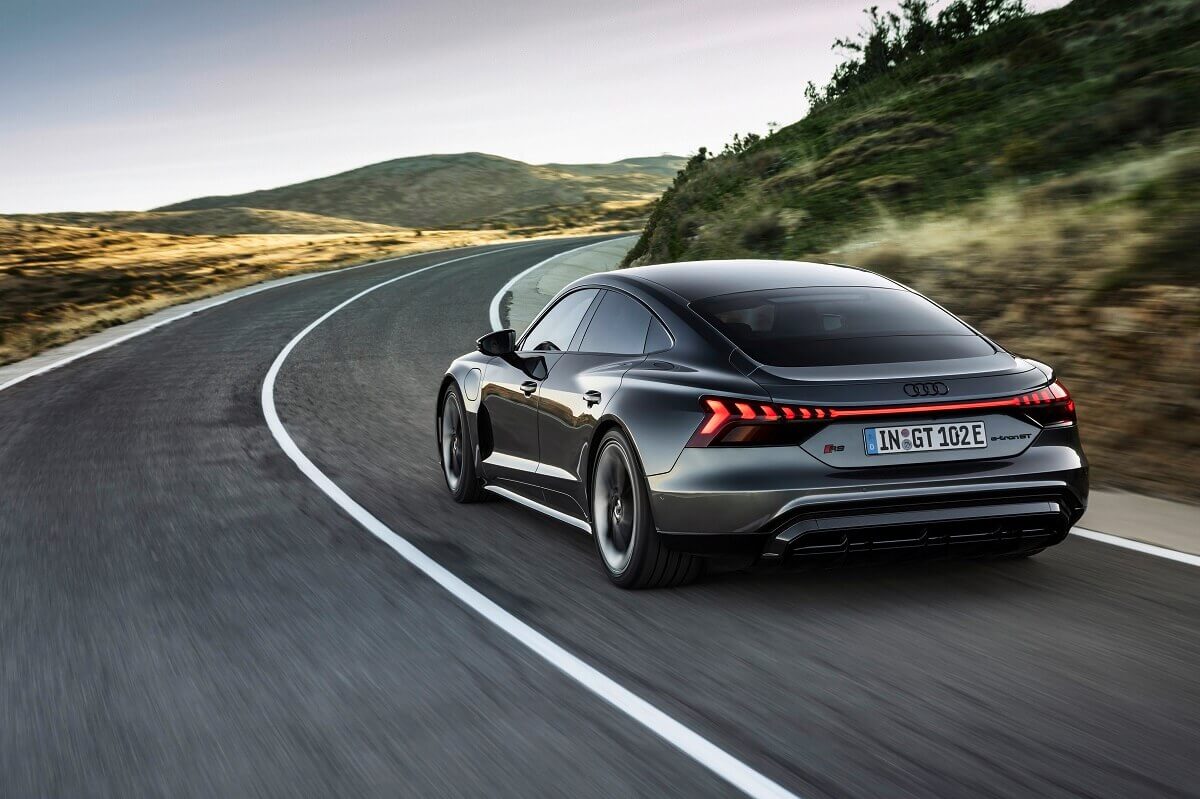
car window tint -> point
(840, 327)
(618, 326)
(657, 337)
(554, 331)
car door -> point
(577, 390)
(510, 394)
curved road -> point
(185, 613)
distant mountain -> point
(467, 190)
(207, 221)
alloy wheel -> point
(614, 506)
(452, 442)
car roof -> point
(695, 280)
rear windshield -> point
(839, 327)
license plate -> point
(924, 438)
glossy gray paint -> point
(655, 398)
(696, 280)
(1014, 437)
(573, 399)
(747, 489)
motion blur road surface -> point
(184, 613)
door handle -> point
(591, 397)
(529, 386)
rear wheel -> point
(457, 450)
(630, 547)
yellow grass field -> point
(61, 282)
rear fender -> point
(659, 406)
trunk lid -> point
(997, 375)
(843, 443)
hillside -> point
(63, 275)
(467, 191)
(1039, 178)
(210, 222)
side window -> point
(554, 331)
(618, 326)
(657, 337)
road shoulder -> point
(1161, 522)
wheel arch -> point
(448, 380)
(474, 421)
(607, 424)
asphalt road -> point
(184, 613)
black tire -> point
(630, 548)
(456, 449)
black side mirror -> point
(500, 342)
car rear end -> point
(885, 428)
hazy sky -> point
(129, 104)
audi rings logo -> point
(926, 389)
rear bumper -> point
(782, 502)
(976, 528)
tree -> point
(890, 39)
(741, 144)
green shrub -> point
(791, 180)
(911, 136)
(1172, 254)
(1165, 76)
(1139, 114)
(687, 227)
(1086, 29)
(1035, 51)
(937, 81)
(888, 262)
(765, 163)
(1169, 256)
(1128, 74)
(892, 40)
(764, 234)
(871, 122)
(889, 187)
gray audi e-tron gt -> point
(773, 411)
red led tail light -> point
(715, 417)
(735, 421)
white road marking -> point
(692, 744)
(1138, 546)
(494, 309)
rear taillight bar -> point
(724, 417)
(736, 421)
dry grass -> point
(60, 282)
(1033, 278)
(211, 221)
(881, 143)
(871, 122)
